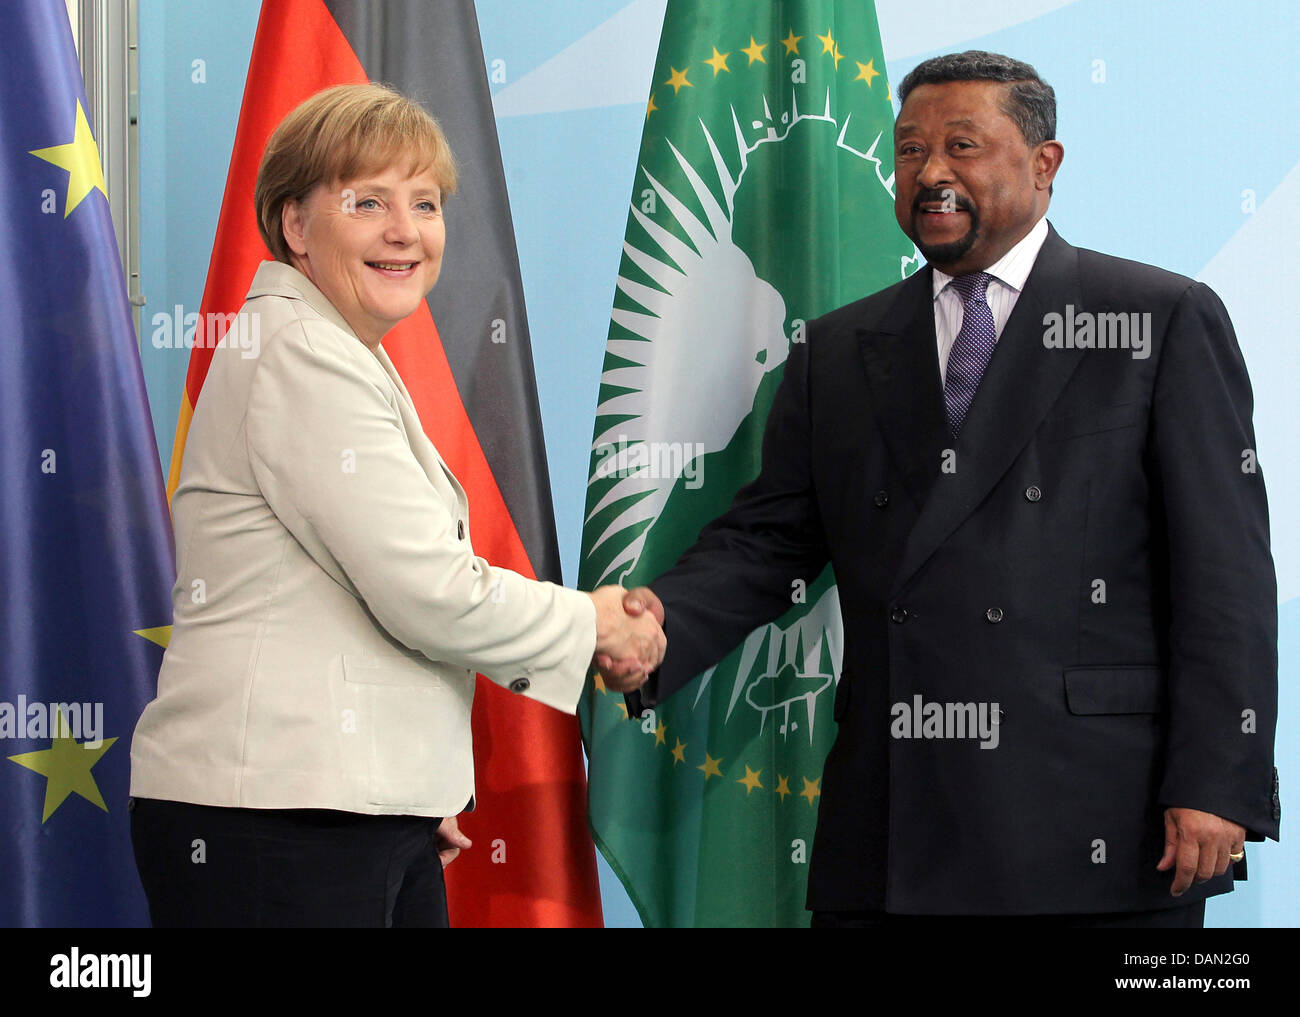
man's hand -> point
(643, 599)
(629, 643)
(450, 841)
(1200, 842)
(623, 675)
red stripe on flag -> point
(284, 70)
(528, 773)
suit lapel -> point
(425, 452)
(274, 277)
(902, 366)
(1019, 386)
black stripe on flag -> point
(432, 53)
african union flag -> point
(85, 544)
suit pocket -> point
(1101, 690)
(1096, 421)
(413, 719)
(406, 671)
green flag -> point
(763, 198)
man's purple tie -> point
(971, 350)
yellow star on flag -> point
(678, 80)
(718, 62)
(811, 789)
(750, 780)
(782, 787)
(867, 71)
(66, 767)
(755, 52)
(162, 635)
(623, 707)
(679, 752)
(838, 56)
(710, 767)
(660, 731)
(80, 157)
(828, 42)
(650, 106)
(599, 682)
(791, 43)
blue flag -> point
(86, 560)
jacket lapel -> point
(902, 365)
(425, 452)
(1019, 386)
(275, 277)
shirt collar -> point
(1013, 268)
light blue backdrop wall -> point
(1181, 123)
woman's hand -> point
(635, 643)
(450, 841)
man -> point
(1032, 468)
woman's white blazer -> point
(329, 611)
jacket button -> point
(898, 615)
(520, 685)
(881, 499)
(460, 529)
(1033, 493)
(994, 614)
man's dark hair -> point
(1030, 101)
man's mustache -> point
(942, 195)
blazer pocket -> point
(366, 670)
(414, 724)
(1100, 690)
(1106, 418)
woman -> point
(312, 725)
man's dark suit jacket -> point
(979, 585)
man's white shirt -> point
(1009, 274)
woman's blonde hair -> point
(339, 134)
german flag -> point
(467, 362)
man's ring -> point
(1237, 856)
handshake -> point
(630, 640)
